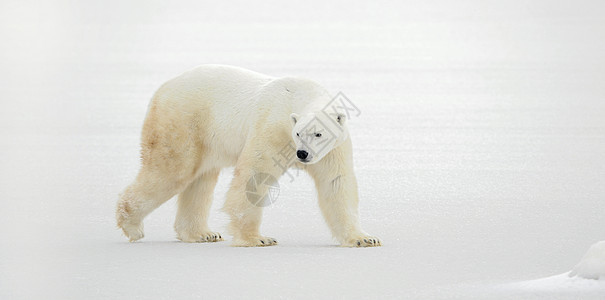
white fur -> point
(216, 116)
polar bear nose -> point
(302, 154)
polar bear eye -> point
(297, 134)
(318, 135)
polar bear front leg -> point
(252, 177)
(338, 199)
(338, 203)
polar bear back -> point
(226, 103)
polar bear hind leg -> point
(194, 203)
(139, 199)
(170, 162)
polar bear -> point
(217, 116)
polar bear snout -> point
(302, 155)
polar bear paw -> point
(364, 241)
(203, 237)
(133, 232)
(259, 241)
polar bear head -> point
(316, 134)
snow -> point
(587, 279)
(592, 265)
(479, 151)
(555, 287)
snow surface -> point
(592, 265)
(555, 287)
(480, 150)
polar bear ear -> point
(294, 118)
(341, 119)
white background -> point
(480, 150)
